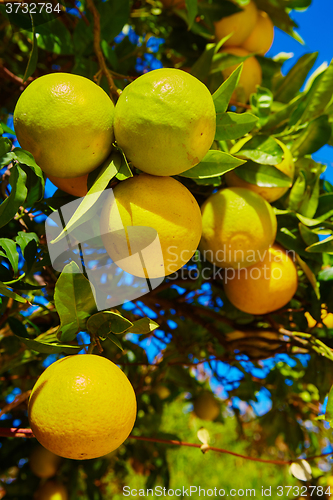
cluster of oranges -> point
(248, 33)
(164, 122)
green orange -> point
(165, 121)
(66, 122)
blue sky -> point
(315, 27)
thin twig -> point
(16, 432)
(97, 48)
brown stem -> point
(239, 104)
(97, 48)
(13, 78)
(16, 432)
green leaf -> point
(115, 340)
(282, 115)
(295, 78)
(33, 58)
(309, 237)
(325, 206)
(5, 146)
(322, 246)
(17, 327)
(9, 246)
(88, 206)
(143, 326)
(74, 301)
(315, 136)
(310, 275)
(215, 163)
(124, 171)
(35, 180)
(222, 95)
(192, 11)
(260, 149)
(8, 293)
(6, 129)
(261, 103)
(55, 37)
(233, 125)
(201, 68)
(113, 15)
(319, 95)
(263, 175)
(17, 196)
(105, 322)
(49, 347)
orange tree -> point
(181, 336)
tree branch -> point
(97, 48)
(27, 433)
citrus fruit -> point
(77, 186)
(66, 122)
(238, 227)
(250, 77)
(240, 25)
(264, 287)
(82, 407)
(51, 490)
(165, 121)
(159, 206)
(326, 319)
(261, 38)
(43, 463)
(269, 193)
(206, 407)
(162, 391)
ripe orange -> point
(77, 186)
(264, 287)
(250, 77)
(240, 24)
(238, 226)
(82, 407)
(269, 193)
(160, 203)
(52, 490)
(261, 38)
(66, 122)
(165, 121)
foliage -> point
(181, 333)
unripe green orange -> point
(261, 38)
(269, 193)
(206, 407)
(66, 122)
(240, 24)
(250, 77)
(165, 121)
